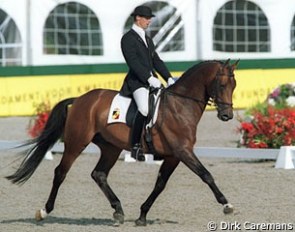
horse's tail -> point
(52, 132)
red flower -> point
(37, 124)
(268, 128)
(246, 126)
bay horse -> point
(173, 135)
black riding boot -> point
(136, 151)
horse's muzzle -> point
(225, 115)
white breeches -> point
(141, 97)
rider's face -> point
(143, 22)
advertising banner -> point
(20, 95)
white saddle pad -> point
(119, 108)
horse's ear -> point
(226, 63)
(234, 66)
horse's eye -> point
(222, 87)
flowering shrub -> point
(283, 96)
(37, 124)
(270, 129)
(270, 124)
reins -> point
(209, 102)
(212, 101)
(168, 91)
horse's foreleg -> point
(109, 156)
(165, 172)
(191, 161)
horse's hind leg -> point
(165, 172)
(191, 161)
(60, 173)
(109, 156)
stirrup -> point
(137, 153)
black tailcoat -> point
(142, 62)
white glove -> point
(154, 82)
(170, 81)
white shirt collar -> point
(140, 32)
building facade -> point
(62, 32)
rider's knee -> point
(143, 110)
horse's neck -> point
(191, 94)
(191, 91)
(193, 86)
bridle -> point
(213, 99)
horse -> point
(82, 120)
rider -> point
(143, 61)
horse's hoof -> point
(228, 208)
(140, 222)
(119, 218)
(40, 214)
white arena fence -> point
(284, 157)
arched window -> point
(293, 35)
(241, 26)
(166, 29)
(10, 42)
(72, 28)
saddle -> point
(123, 110)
